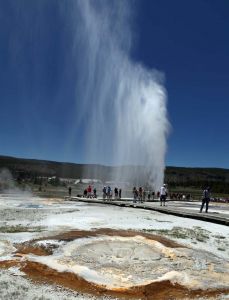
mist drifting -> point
(122, 103)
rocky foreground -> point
(53, 249)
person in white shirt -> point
(163, 194)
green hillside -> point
(20, 168)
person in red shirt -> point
(89, 191)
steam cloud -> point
(6, 180)
(122, 102)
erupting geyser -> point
(122, 102)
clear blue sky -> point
(187, 40)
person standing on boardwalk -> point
(94, 193)
(120, 193)
(135, 194)
(109, 196)
(69, 191)
(89, 190)
(205, 199)
(104, 193)
(140, 194)
(163, 194)
(116, 193)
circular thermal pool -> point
(117, 262)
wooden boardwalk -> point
(220, 218)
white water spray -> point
(122, 102)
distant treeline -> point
(217, 179)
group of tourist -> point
(89, 192)
(139, 195)
(108, 193)
(180, 196)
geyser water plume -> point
(122, 102)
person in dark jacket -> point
(120, 193)
(205, 199)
